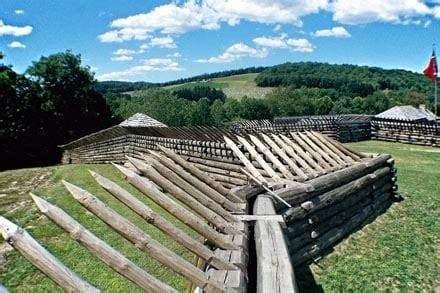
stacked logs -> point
(329, 208)
(411, 132)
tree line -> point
(53, 103)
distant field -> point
(400, 251)
(235, 86)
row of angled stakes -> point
(70, 281)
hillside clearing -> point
(399, 251)
(234, 86)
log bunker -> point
(263, 203)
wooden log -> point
(214, 198)
(289, 150)
(42, 259)
(201, 176)
(336, 234)
(244, 160)
(300, 192)
(314, 219)
(278, 165)
(315, 155)
(333, 195)
(256, 156)
(320, 147)
(280, 152)
(338, 219)
(325, 141)
(302, 153)
(274, 268)
(162, 224)
(100, 249)
(177, 210)
(141, 239)
(165, 178)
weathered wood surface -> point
(141, 239)
(176, 209)
(274, 268)
(99, 248)
(200, 175)
(42, 259)
(158, 221)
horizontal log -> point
(333, 195)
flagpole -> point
(435, 96)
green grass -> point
(397, 252)
(235, 86)
(400, 250)
(18, 274)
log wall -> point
(411, 132)
(331, 207)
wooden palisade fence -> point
(228, 193)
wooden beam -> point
(259, 159)
(274, 268)
(200, 175)
(244, 160)
(161, 223)
(42, 259)
(177, 210)
(100, 249)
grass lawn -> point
(399, 251)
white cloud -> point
(16, 31)
(337, 32)
(235, 52)
(120, 52)
(436, 11)
(126, 34)
(19, 11)
(300, 45)
(282, 42)
(175, 55)
(16, 44)
(277, 28)
(191, 15)
(147, 65)
(122, 58)
(391, 11)
(165, 42)
(271, 42)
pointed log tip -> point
(7, 228)
(41, 204)
(123, 170)
(93, 173)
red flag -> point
(432, 70)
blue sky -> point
(165, 40)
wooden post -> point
(100, 249)
(200, 175)
(274, 268)
(42, 259)
(197, 188)
(176, 209)
(158, 221)
(195, 201)
(287, 174)
(280, 152)
(141, 240)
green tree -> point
(72, 106)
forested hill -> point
(350, 80)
